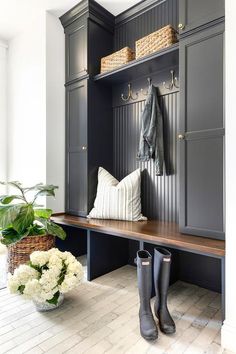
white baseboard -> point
(228, 336)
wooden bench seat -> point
(157, 232)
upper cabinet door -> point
(76, 50)
(201, 133)
(195, 13)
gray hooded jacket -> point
(151, 136)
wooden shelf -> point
(165, 58)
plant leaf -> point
(55, 230)
(21, 288)
(54, 299)
(42, 187)
(10, 236)
(24, 219)
(46, 190)
(43, 213)
(6, 199)
(52, 228)
(8, 214)
(35, 187)
(36, 229)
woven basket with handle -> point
(19, 252)
(155, 41)
(117, 59)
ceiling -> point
(15, 14)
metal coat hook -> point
(130, 95)
(149, 84)
(173, 82)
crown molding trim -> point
(93, 10)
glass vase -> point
(46, 306)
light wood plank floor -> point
(101, 317)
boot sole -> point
(172, 331)
(149, 338)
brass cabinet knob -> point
(181, 26)
(84, 147)
(181, 137)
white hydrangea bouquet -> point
(47, 276)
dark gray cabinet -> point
(76, 49)
(201, 133)
(88, 37)
(195, 13)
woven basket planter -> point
(117, 59)
(155, 41)
(19, 252)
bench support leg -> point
(141, 245)
(105, 253)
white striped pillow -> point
(118, 200)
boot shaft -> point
(162, 265)
(144, 274)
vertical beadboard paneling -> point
(159, 193)
(164, 13)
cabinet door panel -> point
(202, 126)
(77, 183)
(194, 13)
(204, 184)
(77, 123)
(76, 129)
(204, 85)
(76, 50)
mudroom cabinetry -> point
(103, 129)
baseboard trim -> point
(228, 335)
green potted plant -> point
(25, 226)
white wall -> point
(27, 104)
(229, 326)
(3, 113)
(36, 106)
(55, 110)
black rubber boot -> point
(148, 328)
(162, 264)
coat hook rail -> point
(149, 84)
(173, 82)
(129, 95)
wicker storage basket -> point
(19, 252)
(155, 41)
(117, 59)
